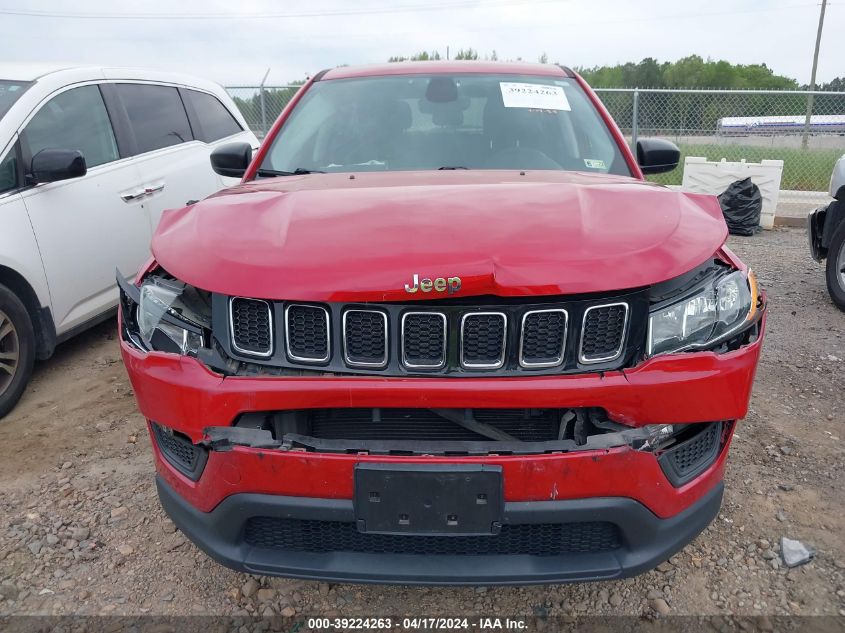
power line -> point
(412, 8)
(325, 35)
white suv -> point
(89, 159)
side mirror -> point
(52, 165)
(837, 180)
(231, 159)
(657, 155)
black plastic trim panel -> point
(646, 540)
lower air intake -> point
(541, 539)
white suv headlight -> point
(714, 313)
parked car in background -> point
(443, 333)
(89, 159)
(826, 230)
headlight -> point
(172, 316)
(713, 313)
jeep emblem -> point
(441, 284)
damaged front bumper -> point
(180, 393)
(604, 498)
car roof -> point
(57, 73)
(29, 72)
(447, 67)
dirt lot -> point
(81, 530)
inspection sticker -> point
(536, 96)
(594, 163)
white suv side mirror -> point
(837, 179)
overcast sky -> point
(233, 42)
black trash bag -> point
(741, 205)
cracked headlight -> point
(172, 316)
(714, 313)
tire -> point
(17, 349)
(836, 267)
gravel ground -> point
(81, 531)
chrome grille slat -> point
(307, 333)
(549, 327)
(429, 352)
(603, 331)
(251, 326)
(365, 338)
(483, 340)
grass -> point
(803, 170)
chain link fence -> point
(753, 125)
(261, 105)
(732, 124)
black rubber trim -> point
(647, 541)
(320, 74)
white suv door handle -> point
(131, 196)
(147, 190)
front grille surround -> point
(553, 362)
(328, 340)
(617, 352)
(347, 356)
(442, 338)
(254, 350)
(484, 364)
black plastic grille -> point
(483, 339)
(527, 425)
(365, 337)
(423, 337)
(690, 454)
(252, 331)
(180, 452)
(604, 328)
(543, 337)
(541, 539)
(483, 336)
(308, 332)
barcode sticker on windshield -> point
(536, 96)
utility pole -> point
(813, 77)
(263, 105)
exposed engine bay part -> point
(441, 432)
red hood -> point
(330, 237)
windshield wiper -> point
(452, 167)
(299, 171)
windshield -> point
(426, 122)
(9, 93)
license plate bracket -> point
(423, 499)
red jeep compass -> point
(444, 333)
